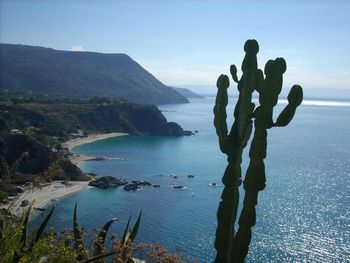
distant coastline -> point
(77, 158)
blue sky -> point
(192, 42)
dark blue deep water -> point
(303, 215)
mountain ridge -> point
(80, 74)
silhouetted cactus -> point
(233, 247)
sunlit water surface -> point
(302, 216)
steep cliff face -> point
(37, 160)
(23, 159)
(58, 117)
(39, 156)
(38, 70)
(130, 118)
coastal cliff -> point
(23, 159)
(32, 133)
(61, 118)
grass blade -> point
(125, 232)
(78, 242)
(77, 234)
(100, 241)
(104, 230)
(135, 228)
(24, 229)
(42, 227)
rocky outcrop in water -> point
(107, 182)
(136, 185)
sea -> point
(303, 214)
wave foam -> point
(321, 103)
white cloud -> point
(77, 48)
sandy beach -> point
(52, 191)
(44, 195)
(78, 159)
(91, 138)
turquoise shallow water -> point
(302, 216)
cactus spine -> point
(230, 246)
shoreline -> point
(40, 197)
(77, 158)
(50, 192)
(70, 144)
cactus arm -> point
(227, 210)
(285, 116)
(233, 71)
(268, 98)
(295, 97)
(220, 114)
(247, 84)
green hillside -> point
(62, 117)
(45, 71)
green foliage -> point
(11, 233)
(37, 164)
(9, 176)
(45, 119)
(18, 246)
(154, 253)
(78, 241)
(130, 234)
(27, 242)
(15, 243)
(233, 246)
(100, 241)
(41, 137)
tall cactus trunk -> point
(227, 212)
(233, 247)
